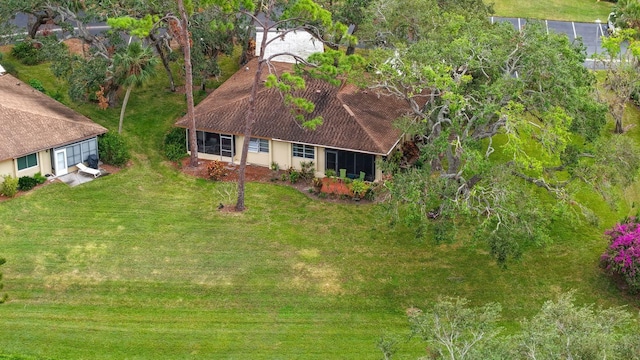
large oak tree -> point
(497, 114)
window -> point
(80, 151)
(28, 161)
(214, 143)
(303, 151)
(259, 145)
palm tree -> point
(137, 65)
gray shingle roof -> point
(30, 121)
(353, 119)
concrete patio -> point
(76, 178)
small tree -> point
(456, 331)
(137, 65)
(623, 75)
(622, 256)
(560, 330)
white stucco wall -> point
(300, 43)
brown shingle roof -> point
(30, 121)
(353, 119)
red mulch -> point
(335, 186)
(252, 173)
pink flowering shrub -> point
(622, 257)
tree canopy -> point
(497, 114)
(560, 330)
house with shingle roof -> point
(39, 134)
(356, 133)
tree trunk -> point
(165, 63)
(112, 95)
(40, 19)
(619, 129)
(188, 88)
(124, 107)
(250, 118)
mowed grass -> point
(567, 10)
(141, 265)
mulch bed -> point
(335, 190)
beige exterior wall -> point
(7, 167)
(10, 167)
(281, 153)
(44, 165)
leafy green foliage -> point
(26, 183)
(454, 330)
(27, 53)
(623, 75)
(359, 187)
(476, 90)
(37, 84)
(627, 14)
(113, 149)
(175, 144)
(40, 179)
(9, 187)
(133, 67)
(561, 330)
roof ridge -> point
(360, 123)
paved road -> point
(590, 33)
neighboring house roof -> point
(32, 121)
(353, 119)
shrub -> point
(359, 188)
(40, 179)
(307, 170)
(26, 183)
(113, 149)
(10, 186)
(293, 175)
(622, 256)
(216, 170)
(330, 173)
(317, 183)
(10, 68)
(37, 84)
(175, 144)
(56, 95)
(27, 53)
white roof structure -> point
(300, 43)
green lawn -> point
(141, 264)
(569, 10)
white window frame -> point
(257, 145)
(304, 151)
